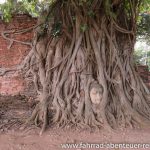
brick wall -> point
(12, 83)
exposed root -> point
(39, 116)
(82, 65)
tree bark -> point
(89, 43)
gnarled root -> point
(101, 53)
(40, 116)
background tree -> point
(143, 23)
(144, 27)
(142, 56)
(82, 65)
(142, 53)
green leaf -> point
(84, 27)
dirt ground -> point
(14, 110)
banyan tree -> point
(83, 68)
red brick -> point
(12, 84)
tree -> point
(142, 56)
(143, 23)
(82, 65)
(144, 27)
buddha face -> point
(96, 94)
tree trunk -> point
(84, 72)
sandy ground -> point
(53, 138)
(14, 137)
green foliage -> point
(88, 2)
(81, 2)
(143, 23)
(6, 8)
(145, 6)
(144, 27)
(91, 13)
(56, 30)
(108, 9)
(32, 7)
(83, 27)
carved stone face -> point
(96, 94)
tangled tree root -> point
(82, 64)
(40, 115)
